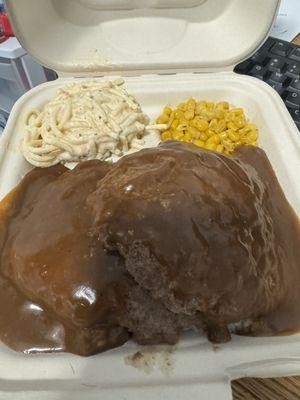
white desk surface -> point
(287, 24)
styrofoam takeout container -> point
(151, 43)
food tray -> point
(195, 368)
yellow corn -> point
(167, 110)
(203, 136)
(239, 122)
(182, 127)
(224, 105)
(199, 142)
(182, 107)
(163, 119)
(202, 125)
(234, 136)
(210, 105)
(175, 123)
(177, 135)
(210, 146)
(232, 126)
(191, 104)
(187, 137)
(213, 139)
(194, 132)
(178, 114)
(220, 148)
(214, 126)
(189, 114)
(166, 135)
(221, 126)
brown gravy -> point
(51, 261)
(63, 289)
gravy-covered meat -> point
(54, 260)
(165, 240)
(209, 235)
(66, 292)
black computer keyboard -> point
(278, 63)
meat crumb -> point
(149, 359)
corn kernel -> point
(202, 125)
(182, 127)
(203, 136)
(220, 148)
(187, 137)
(166, 135)
(163, 119)
(237, 111)
(182, 106)
(191, 104)
(234, 136)
(189, 114)
(221, 126)
(198, 110)
(171, 118)
(177, 135)
(209, 133)
(252, 135)
(228, 145)
(167, 110)
(194, 132)
(231, 125)
(213, 125)
(250, 127)
(210, 146)
(199, 143)
(220, 113)
(222, 105)
(223, 135)
(183, 121)
(229, 117)
(178, 114)
(210, 104)
(239, 122)
(175, 123)
(213, 139)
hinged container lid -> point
(76, 36)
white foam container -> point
(199, 372)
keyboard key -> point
(294, 85)
(281, 49)
(259, 58)
(277, 77)
(276, 86)
(295, 114)
(243, 67)
(295, 54)
(258, 71)
(269, 43)
(293, 100)
(276, 64)
(293, 70)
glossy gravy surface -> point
(60, 290)
(64, 278)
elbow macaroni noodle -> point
(88, 120)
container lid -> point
(76, 36)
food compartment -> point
(278, 135)
(279, 138)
